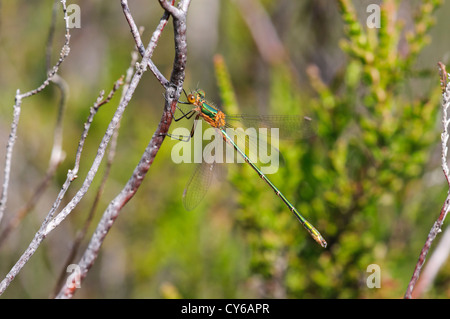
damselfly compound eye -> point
(191, 98)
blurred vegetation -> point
(369, 180)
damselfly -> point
(218, 120)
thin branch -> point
(111, 154)
(57, 155)
(155, 37)
(9, 150)
(31, 203)
(44, 230)
(436, 261)
(17, 108)
(172, 94)
(56, 158)
(436, 229)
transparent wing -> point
(290, 126)
(198, 185)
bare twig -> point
(173, 92)
(446, 207)
(140, 46)
(436, 261)
(44, 230)
(17, 108)
(57, 155)
(111, 154)
(81, 234)
(8, 157)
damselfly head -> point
(195, 96)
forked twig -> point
(17, 108)
(137, 38)
(57, 155)
(173, 91)
(44, 230)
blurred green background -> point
(370, 180)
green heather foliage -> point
(356, 179)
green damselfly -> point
(218, 120)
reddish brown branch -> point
(173, 91)
(436, 229)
